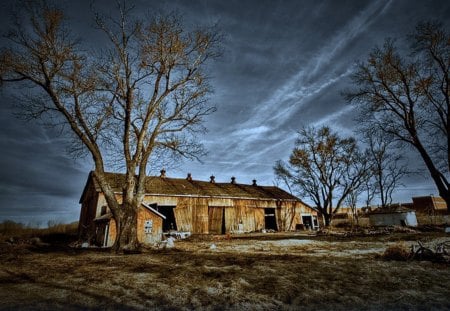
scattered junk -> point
(170, 242)
(440, 252)
(366, 231)
(179, 235)
(213, 247)
(394, 215)
(167, 243)
(268, 231)
(180, 207)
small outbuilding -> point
(393, 216)
(429, 205)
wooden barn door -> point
(216, 220)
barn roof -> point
(394, 209)
(151, 209)
(182, 187)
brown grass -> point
(241, 274)
(10, 229)
(398, 252)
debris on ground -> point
(439, 252)
(170, 242)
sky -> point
(284, 66)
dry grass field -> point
(255, 272)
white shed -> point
(397, 216)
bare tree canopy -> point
(406, 96)
(144, 93)
(324, 167)
(387, 166)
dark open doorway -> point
(270, 219)
(170, 222)
(223, 228)
(307, 222)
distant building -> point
(343, 213)
(429, 205)
(394, 215)
(197, 207)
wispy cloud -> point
(266, 125)
(258, 130)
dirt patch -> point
(287, 273)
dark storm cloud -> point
(38, 181)
(284, 65)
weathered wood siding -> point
(156, 233)
(247, 213)
(289, 215)
(86, 225)
(112, 233)
(147, 238)
(204, 215)
(215, 219)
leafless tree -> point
(370, 190)
(324, 167)
(351, 201)
(144, 93)
(387, 165)
(407, 97)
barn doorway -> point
(216, 220)
(307, 222)
(270, 219)
(170, 222)
(101, 233)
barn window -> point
(103, 210)
(148, 226)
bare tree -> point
(146, 92)
(388, 167)
(325, 168)
(351, 201)
(370, 190)
(407, 97)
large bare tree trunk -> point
(126, 239)
(326, 219)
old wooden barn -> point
(197, 207)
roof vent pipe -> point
(189, 177)
(254, 182)
(212, 179)
(233, 180)
(163, 173)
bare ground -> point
(271, 272)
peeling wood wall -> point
(156, 233)
(204, 215)
(147, 238)
(89, 209)
(112, 233)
